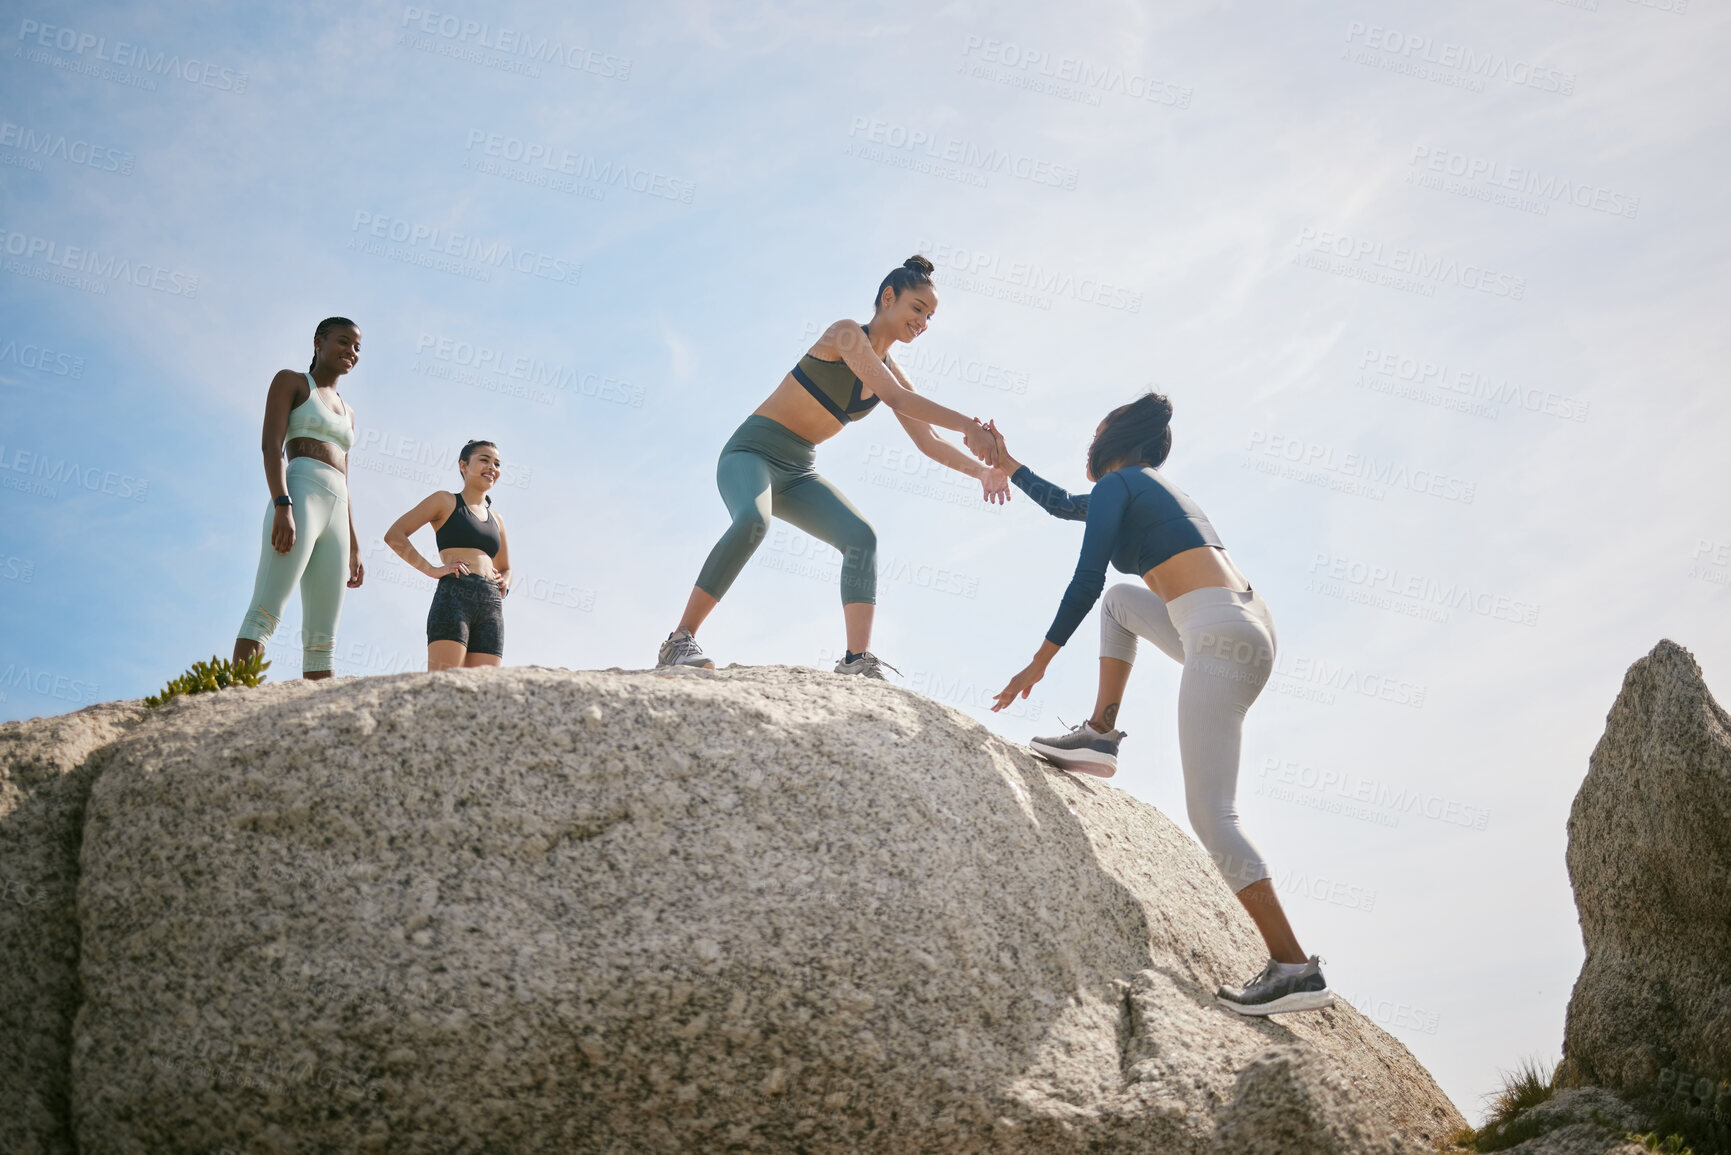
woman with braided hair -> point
(309, 528)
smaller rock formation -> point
(1650, 859)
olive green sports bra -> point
(835, 386)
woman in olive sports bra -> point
(466, 625)
(766, 470)
(309, 528)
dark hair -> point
(913, 272)
(326, 326)
(1139, 433)
(463, 456)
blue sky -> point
(1437, 292)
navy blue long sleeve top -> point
(1135, 518)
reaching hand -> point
(979, 441)
(1018, 687)
(1005, 462)
(995, 486)
(357, 571)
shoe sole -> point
(706, 664)
(1089, 762)
(1298, 1001)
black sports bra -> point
(463, 530)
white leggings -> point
(318, 561)
(1225, 639)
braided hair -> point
(326, 326)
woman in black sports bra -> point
(766, 468)
(466, 626)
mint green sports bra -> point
(313, 418)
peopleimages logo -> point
(430, 243)
(479, 34)
(1406, 52)
(1361, 467)
(87, 262)
(1070, 70)
(1428, 592)
(39, 143)
(1485, 178)
(1470, 385)
(579, 166)
(97, 50)
(991, 161)
(1028, 279)
(1370, 255)
(41, 359)
(43, 473)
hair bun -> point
(919, 265)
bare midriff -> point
(792, 406)
(318, 450)
(1194, 569)
(477, 560)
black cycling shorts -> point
(470, 611)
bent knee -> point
(859, 540)
(1119, 597)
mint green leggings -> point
(766, 471)
(319, 561)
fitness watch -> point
(285, 500)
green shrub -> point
(1523, 1088)
(1669, 1145)
(216, 674)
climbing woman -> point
(1196, 606)
(466, 626)
(309, 529)
(766, 467)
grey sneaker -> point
(867, 665)
(1272, 993)
(1084, 750)
(681, 649)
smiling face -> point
(905, 317)
(338, 350)
(482, 469)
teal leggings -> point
(766, 471)
(319, 561)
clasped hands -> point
(986, 443)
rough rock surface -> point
(46, 767)
(1579, 1121)
(1650, 859)
(755, 909)
(1288, 1102)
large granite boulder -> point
(1650, 859)
(756, 909)
(46, 767)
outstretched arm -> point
(1051, 498)
(994, 483)
(1104, 517)
(848, 339)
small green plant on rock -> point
(1669, 1145)
(1523, 1088)
(216, 674)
